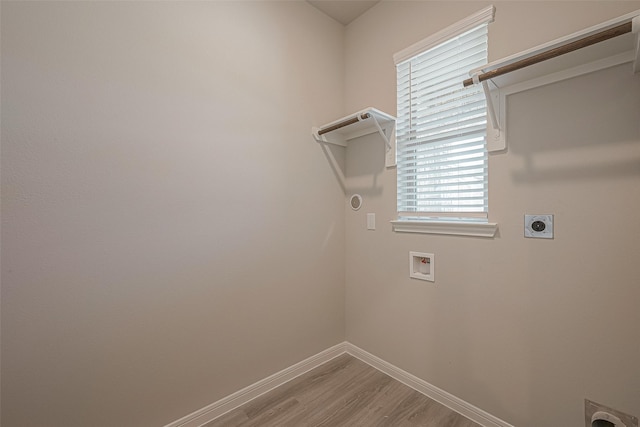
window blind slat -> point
(423, 108)
(463, 45)
(444, 119)
(468, 175)
(428, 157)
(441, 131)
(472, 131)
(468, 194)
(468, 216)
(456, 69)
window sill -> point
(473, 229)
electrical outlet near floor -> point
(597, 415)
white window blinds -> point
(441, 131)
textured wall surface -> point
(170, 231)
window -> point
(441, 127)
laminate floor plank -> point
(323, 406)
(233, 418)
(275, 416)
(404, 410)
(356, 400)
(312, 385)
(342, 392)
(381, 410)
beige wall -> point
(522, 328)
(170, 231)
(145, 276)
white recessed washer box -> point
(422, 266)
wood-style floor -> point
(343, 392)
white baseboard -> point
(239, 398)
(452, 402)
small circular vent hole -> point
(355, 202)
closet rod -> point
(344, 123)
(552, 53)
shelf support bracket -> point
(384, 136)
(490, 107)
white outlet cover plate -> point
(371, 221)
(547, 233)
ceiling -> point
(343, 11)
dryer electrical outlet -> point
(538, 226)
(596, 414)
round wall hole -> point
(355, 201)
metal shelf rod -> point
(344, 123)
(552, 53)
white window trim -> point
(485, 15)
(473, 229)
(461, 228)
